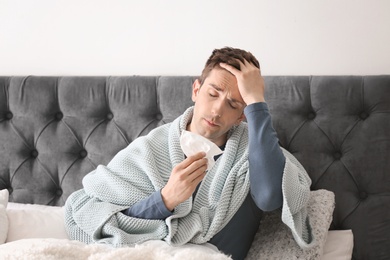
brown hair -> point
(229, 56)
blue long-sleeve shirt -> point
(266, 164)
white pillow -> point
(35, 221)
(274, 239)
(3, 215)
(339, 245)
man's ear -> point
(240, 119)
(195, 89)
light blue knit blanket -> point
(93, 214)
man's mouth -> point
(211, 122)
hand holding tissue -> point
(193, 143)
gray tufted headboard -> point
(54, 130)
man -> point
(151, 191)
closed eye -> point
(232, 106)
(213, 93)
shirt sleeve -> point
(266, 159)
(151, 207)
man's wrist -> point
(256, 108)
(165, 198)
(254, 100)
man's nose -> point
(218, 108)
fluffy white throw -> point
(64, 249)
(93, 214)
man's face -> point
(218, 106)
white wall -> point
(163, 37)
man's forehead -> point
(222, 80)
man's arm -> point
(266, 159)
(151, 207)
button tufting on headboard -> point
(337, 155)
(363, 195)
(83, 153)
(110, 116)
(159, 116)
(9, 115)
(363, 115)
(58, 116)
(34, 153)
(59, 193)
(311, 115)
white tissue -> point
(193, 143)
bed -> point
(55, 130)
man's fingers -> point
(198, 175)
(198, 178)
(193, 166)
(197, 167)
(229, 68)
(190, 159)
(243, 66)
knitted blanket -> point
(93, 214)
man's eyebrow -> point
(215, 86)
(230, 98)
